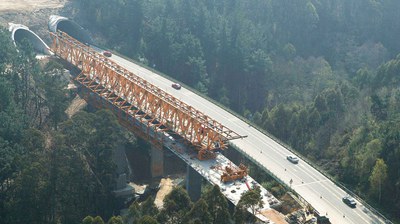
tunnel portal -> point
(70, 27)
(20, 32)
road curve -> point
(308, 182)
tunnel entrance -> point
(74, 30)
(20, 32)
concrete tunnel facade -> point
(70, 27)
(20, 32)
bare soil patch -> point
(274, 216)
(30, 5)
(76, 105)
(166, 186)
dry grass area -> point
(289, 204)
(76, 105)
(30, 5)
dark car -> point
(349, 201)
(176, 85)
(292, 159)
(107, 53)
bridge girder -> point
(141, 99)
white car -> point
(176, 85)
(292, 159)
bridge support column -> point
(156, 161)
(193, 183)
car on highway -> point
(107, 53)
(349, 201)
(292, 159)
(176, 85)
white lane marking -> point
(338, 209)
(339, 193)
(330, 187)
(309, 183)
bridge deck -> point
(232, 190)
(206, 168)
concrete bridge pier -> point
(193, 183)
(156, 161)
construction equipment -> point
(234, 173)
(204, 154)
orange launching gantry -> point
(140, 99)
(231, 173)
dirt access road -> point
(29, 5)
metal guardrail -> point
(270, 136)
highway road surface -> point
(314, 187)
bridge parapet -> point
(141, 99)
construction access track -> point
(140, 99)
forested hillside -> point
(52, 170)
(321, 75)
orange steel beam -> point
(139, 98)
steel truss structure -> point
(140, 99)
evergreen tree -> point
(378, 178)
(217, 205)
